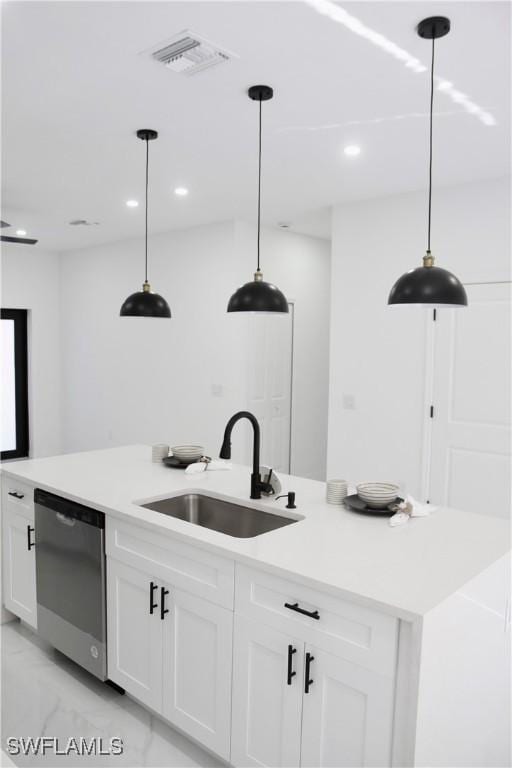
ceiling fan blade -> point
(23, 240)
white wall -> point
(131, 380)
(31, 280)
(377, 352)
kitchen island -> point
(397, 656)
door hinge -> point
(434, 315)
(431, 411)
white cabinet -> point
(313, 680)
(171, 650)
(134, 633)
(18, 553)
(197, 660)
(268, 674)
(347, 715)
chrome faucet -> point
(257, 485)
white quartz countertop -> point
(405, 571)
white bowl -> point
(377, 495)
(187, 452)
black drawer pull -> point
(309, 681)
(16, 494)
(291, 673)
(163, 609)
(295, 607)
(152, 605)
(30, 543)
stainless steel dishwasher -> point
(70, 573)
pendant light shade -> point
(145, 303)
(258, 296)
(429, 285)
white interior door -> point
(470, 452)
(270, 385)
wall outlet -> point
(348, 402)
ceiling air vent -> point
(187, 53)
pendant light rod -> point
(147, 135)
(259, 189)
(259, 93)
(431, 29)
(430, 145)
(147, 186)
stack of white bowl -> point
(187, 453)
(377, 495)
(336, 491)
(159, 451)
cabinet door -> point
(19, 565)
(134, 634)
(197, 663)
(347, 714)
(267, 703)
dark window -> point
(14, 406)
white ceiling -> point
(75, 90)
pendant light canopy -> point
(258, 296)
(145, 303)
(430, 285)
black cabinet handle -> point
(152, 605)
(291, 673)
(295, 607)
(16, 494)
(163, 609)
(30, 543)
(309, 681)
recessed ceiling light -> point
(352, 150)
(21, 232)
(132, 203)
(181, 191)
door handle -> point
(16, 494)
(163, 609)
(291, 673)
(295, 607)
(309, 681)
(152, 588)
(30, 543)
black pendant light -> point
(145, 303)
(258, 296)
(430, 285)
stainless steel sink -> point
(232, 519)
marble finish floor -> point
(46, 694)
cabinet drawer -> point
(18, 496)
(363, 636)
(188, 567)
